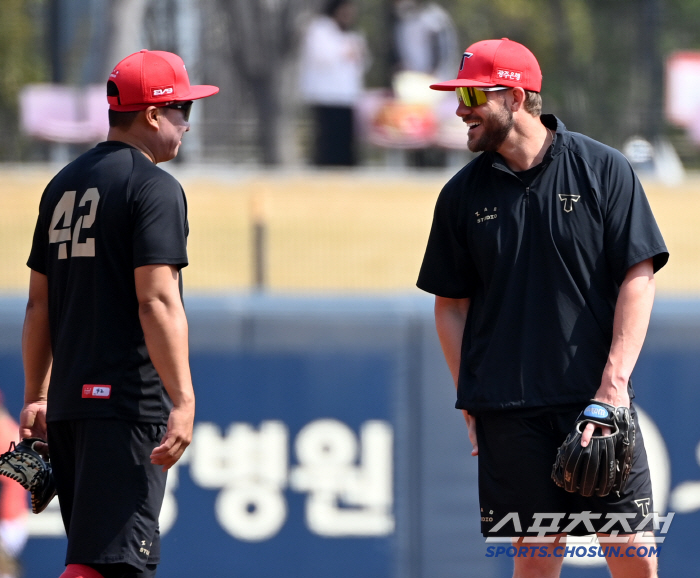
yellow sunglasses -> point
(471, 96)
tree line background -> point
(602, 60)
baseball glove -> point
(604, 464)
(25, 465)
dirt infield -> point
(341, 232)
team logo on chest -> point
(569, 201)
(486, 215)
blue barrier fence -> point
(326, 444)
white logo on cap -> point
(464, 57)
(162, 91)
(509, 74)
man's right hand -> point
(471, 426)
(32, 420)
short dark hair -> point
(117, 119)
(122, 120)
(533, 103)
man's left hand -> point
(177, 437)
(609, 395)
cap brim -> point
(200, 91)
(452, 84)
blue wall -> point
(326, 444)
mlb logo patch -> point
(97, 391)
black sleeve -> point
(38, 256)
(159, 223)
(631, 232)
(447, 269)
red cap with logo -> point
(492, 63)
(148, 78)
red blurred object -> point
(390, 123)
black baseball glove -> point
(604, 464)
(27, 466)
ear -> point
(518, 99)
(151, 115)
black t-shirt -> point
(528, 176)
(542, 264)
(106, 213)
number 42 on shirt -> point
(63, 213)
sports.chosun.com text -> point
(572, 551)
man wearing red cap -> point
(107, 378)
(541, 257)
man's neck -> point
(125, 137)
(526, 144)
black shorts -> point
(109, 492)
(517, 450)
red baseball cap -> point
(155, 77)
(492, 63)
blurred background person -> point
(425, 38)
(14, 508)
(333, 61)
(425, 42)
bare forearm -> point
(450, 318)
(630, 325)
(165, 329)
(36, 352)
(37, 358)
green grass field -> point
(337, 232)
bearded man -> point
(541, 258)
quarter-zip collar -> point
(558, 129)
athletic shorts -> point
(109, 492)
(517, 450)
